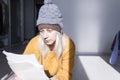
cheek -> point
(53, 36)
(41, 36)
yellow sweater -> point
(62, 67)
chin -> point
(49, 44)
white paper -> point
(26, 66)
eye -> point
(49, 30)
(41, 30)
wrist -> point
(54, 78)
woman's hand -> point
(53, 78)
(17, 78)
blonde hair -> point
(58, 47)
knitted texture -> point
(49, 13)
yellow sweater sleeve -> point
(67, 62)
(32, 47)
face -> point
(48, 35)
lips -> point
(46, 41)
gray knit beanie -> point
(49, 13)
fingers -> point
(17, 78)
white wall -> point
(91, 24)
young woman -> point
(53, 48)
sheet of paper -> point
(26, 66)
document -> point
(26, 66)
